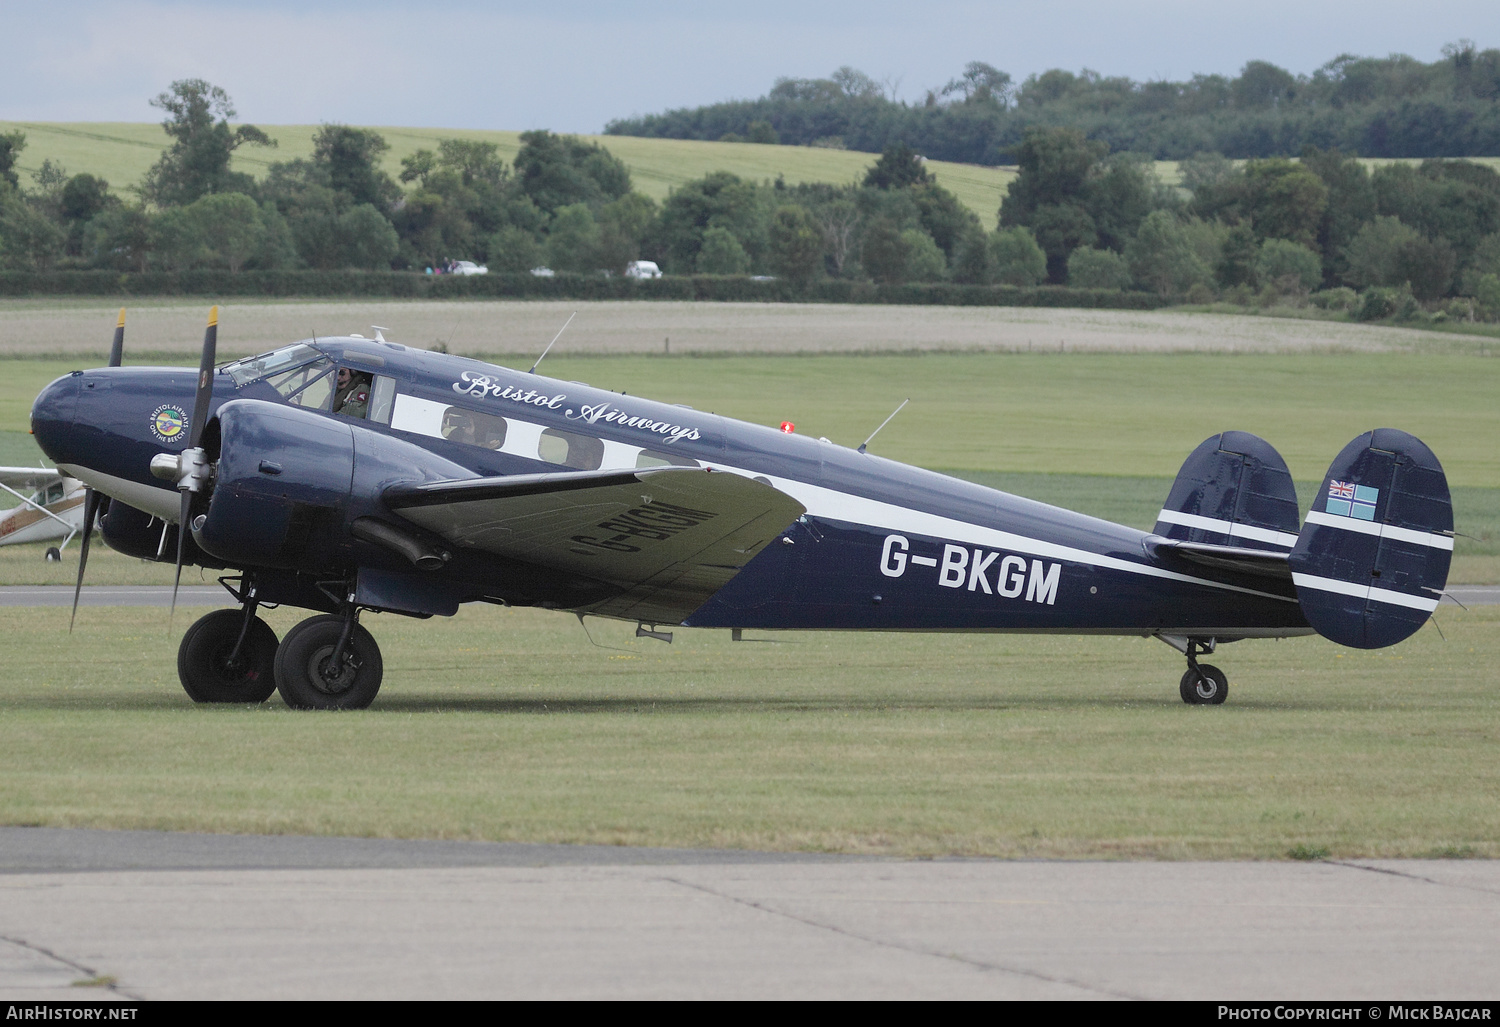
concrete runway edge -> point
(171, 916)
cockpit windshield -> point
(255, 368)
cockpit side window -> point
(382, 399)
(307, 386)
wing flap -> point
(669, 537)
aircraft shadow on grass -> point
(344, 475)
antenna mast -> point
(554, 340)
(887, 421)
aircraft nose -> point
(53, 418)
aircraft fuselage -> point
(882, 545)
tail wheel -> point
(307, 676)
(1205, 686)
(204, 666)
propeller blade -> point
(190, 484)
(205, 378)
(92, 499)
(182, 530)
(117, 348)
(90, 511)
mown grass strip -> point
(508, 724)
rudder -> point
(1233, 490)
(1373, 557)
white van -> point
(642, 269)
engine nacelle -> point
(289, 482)
(146, 536)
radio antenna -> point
(554, 340)
(887, 421)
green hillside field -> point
(122, 152)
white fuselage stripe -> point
(1390, 531)
(872, 513)
(1230, 528)
(819, 501)
(1366, 592)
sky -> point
(573, 65)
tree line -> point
(564, 203)
(1394, 106)
(1402, 239)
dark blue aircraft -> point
(350, 474)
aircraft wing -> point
(1264, 563)
(670, 537)
(29, 477)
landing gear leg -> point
(228, 656)
(1203, 684)
(329, 662)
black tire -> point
(302, 668)
(53, 555)
(1209, 687)
(202, 669)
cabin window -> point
(655, 458)
(54, 493)
(472, 428)
(579, 452)
(307, 386)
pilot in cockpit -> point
(351, 395)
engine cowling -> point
(289, 482)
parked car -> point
(543, 272)
(467, 267)
(642, 269)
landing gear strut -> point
(329, 662)
(1203, 684)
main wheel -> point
(1208, 687)
(203, 659)
(306, 677)
(53, 555)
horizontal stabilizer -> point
(1264, 563)
(670, 537)
(1233, 490)
(1372, 560)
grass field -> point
(172, 328)
(508, 724)
(122, 152)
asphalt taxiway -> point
(148, 915)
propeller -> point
(91, 499)
(192, 463)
